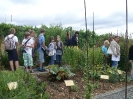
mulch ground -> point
(58, 89)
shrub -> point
(74, 57)
(59, 73)
(74, 88)
(4, 60)
(98, 56)
(123, 57)
(28, 86)
(114, 76)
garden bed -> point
(58, 90)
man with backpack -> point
(40, 46)
(11, 43)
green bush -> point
(123, 57)
(28, 86)
(59, 73)
(74, 88)
(4, 60)
(74, 57)
(113, 74)
(98, 56)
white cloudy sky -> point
(109, 14)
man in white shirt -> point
(12, 54)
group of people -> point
(30, 45)
(55, 49)
(112, 53)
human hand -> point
(131, 61)
(116, 55)
(106, 56)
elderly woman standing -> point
(115, 51)
(104, 50)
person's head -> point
(12, 31)
(51, 39)
(27, 35)
(32, 33)
(58, 38)
(68, 35)
(106, 42)
(117, 38)
(29, 30)
(111, 37)
(77, 33)
(42, 30)
(68, 32)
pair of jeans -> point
(41, 56)
(105, 63)
(58, 59)
(51, 60)
(115, 64)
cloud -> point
(109, 14)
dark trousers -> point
(105, 63)
(59, 59)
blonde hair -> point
(26, 34)
(106, 41)
(57, 36)
(32, 31)
(12, 31)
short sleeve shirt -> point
(29, 43)
(15, 39)
(41, 40)
(104, 49)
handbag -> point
(50, 53)
(23, 51)
(109, 51)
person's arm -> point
(31, 46)
(103, 51)
(112, 46)
(16, 41)
(62, 45)
(43, 42)
(51, 47)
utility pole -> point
(11, 18)
(126, 37)
(5, 18)
(86, 31)
(93, 48)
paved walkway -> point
(117, 94)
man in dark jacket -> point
(131, 59)
(75, 39)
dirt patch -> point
(58, 90)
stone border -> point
(116, 94)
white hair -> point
(106, 41)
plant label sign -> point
(104, 77)
(69, 82)
(119, 71)
(12, 85)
